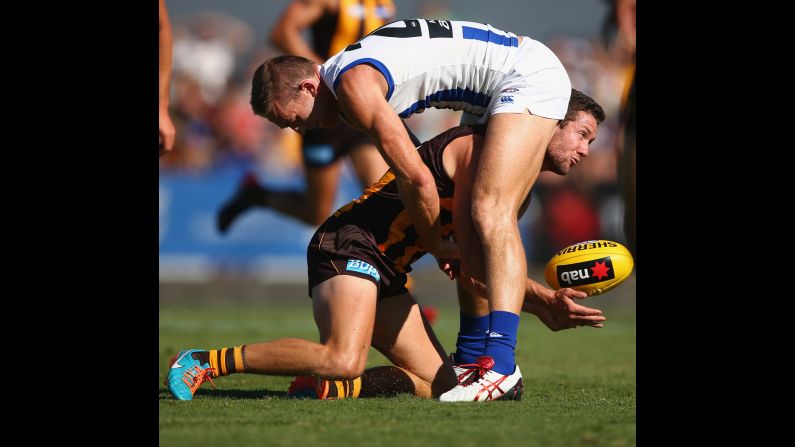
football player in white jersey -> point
(513, 83)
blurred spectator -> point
(570, 217)
(207, 103)
(206, 47)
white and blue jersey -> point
(458, 65)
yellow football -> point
(593, 267)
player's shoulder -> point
(356, 77)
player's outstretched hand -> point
(561, 312)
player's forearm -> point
(416, 185)
(165, 57)
(361, 97)
(536, 298)
(421, 201)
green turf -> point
(579, 390)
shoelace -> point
(468, 373)
(195, 379)
(482, 365)
(468, 367)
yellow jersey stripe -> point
(357, 387)
(348, 25)
(223, 361)
(214, 361)
(239, 359)
(396, 230)
(340, 389)
(379, 185)
(629, 73)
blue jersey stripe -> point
(453, 95)
(489, 36)
(381, 67)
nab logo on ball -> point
(589, 272)
(592, 267)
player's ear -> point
(311, 85)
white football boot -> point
(480, 383)
(462, 371)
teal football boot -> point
(186, 374)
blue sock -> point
(471, 342)
(501, 341)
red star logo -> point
(600, 269)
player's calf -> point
(312, 387)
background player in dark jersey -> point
(357, 264)
(334, 24)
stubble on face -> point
(562, 152)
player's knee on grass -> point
(344, 364)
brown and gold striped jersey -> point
(380, 212)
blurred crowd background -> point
(216, 47)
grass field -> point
(579, 384)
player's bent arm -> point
(286, 33)
(361, 96)
(167, 131)
(165, 41)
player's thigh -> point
(368, 164)
(407, 340)
(511, 159)
(344, 308)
